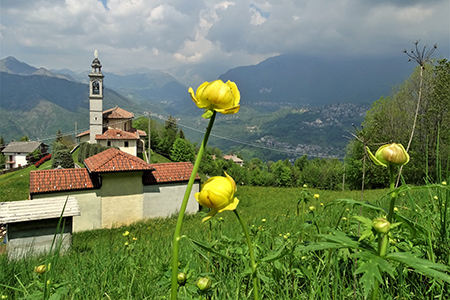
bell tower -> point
(95, 99)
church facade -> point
(112, 127)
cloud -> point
(160, 34)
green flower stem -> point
(383, 238)
(252, 257)
(176, 236)
(393, 194)
(382, 251)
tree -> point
(169, 135)
(2, 140)
(392, 119)
(182, 151)
(24, 139)
(62, 158)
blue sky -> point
(208, 37)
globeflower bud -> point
(40, 269)
(181, 278)
(204, 283)
(381, 225)
(391, 154)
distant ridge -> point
(11, 65)
(295, 80)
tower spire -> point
(95, 99)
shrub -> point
(42, 160)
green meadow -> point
(108, 264)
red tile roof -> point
(169, 172)
(59, 180)
(117, 134)
(83, 133)
(113, 160)
(117, 113)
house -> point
(32, 225)
(111, 127)
(16, 153)
(234, 158)
(117, 188)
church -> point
(112, 127)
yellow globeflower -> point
(316, 196)
(218, 194)
(217, 96)
(126, 233)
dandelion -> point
(126, 233)
(316, 196)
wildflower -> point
(204, 283)
(435, 197)
(316, 196)
(347, 209)
(312, 208)
(4, 297)
(126, 233)
(263, 220)
(303, 257)
(381, 225)
(280, 234)
(321, 204)
(390, 154)
(444, 182)
(181, 278)
(305, 185)
(395, 209)
(344, 219)
(40, 269)
(218, 194)
(135, 239)
(126, 243)
(217, 96)
(285, 237)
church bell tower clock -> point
(95, 99)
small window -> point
(125, 144)
(109, 143)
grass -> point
(100, 266)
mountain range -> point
(291, 104)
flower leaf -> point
(424, 266)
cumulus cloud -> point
(160, 34)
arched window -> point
(95, 88)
